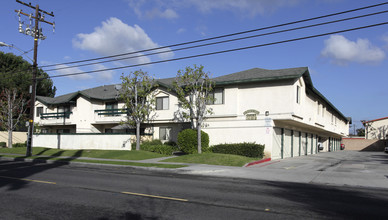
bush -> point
(160, 149)
(242, 149)
(171, 143)
(152, 142)
(188, 143)
(3, 144)
(19, 145)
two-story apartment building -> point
(376, 129)
(278, 108)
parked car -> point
(320, 146)
(386, 149)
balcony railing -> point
(55, 115)
(112, 112)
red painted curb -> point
(257, 162)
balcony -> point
(112, 112)
(56, 115)
(110, 115)
(58, 118)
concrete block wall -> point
(17, 137)
(360, 144)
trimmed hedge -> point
(160, 149)
(188, 142)
(3, 144)
(157, 146)
(153, 142)
(19, 145)
(242, 149)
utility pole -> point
(35, 32)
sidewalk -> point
(343, 168)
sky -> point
(350, 69)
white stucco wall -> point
(84, 141)
(377, 129)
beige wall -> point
(17, 137)
(360, 144)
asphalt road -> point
(57, 191)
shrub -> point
(3, 144)
(188, 143)
(160, 149)
(152, 142)
(19, 145)
(242, 149)
(171, 143)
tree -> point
(137, 92)
(193, 87)
(15, 72)
(12, 109)
(360, 132)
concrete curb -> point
(257, 162)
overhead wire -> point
(220, 42)
(221, 36)
(220, 52)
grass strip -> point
(170, 166)
(213, 159)
(105, 154)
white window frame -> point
(165, 103)
(298, 94)
(167, 133)
(215, 101)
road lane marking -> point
(288, 168)
(154, 196)
(29, 180)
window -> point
(111, 105)
(218, 97)
(164, 133)
(319, 109)
(64, 109)
(39, 110)
(298, 94)
(162, 103)
(63, 131)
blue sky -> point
(349, 69)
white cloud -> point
(157, 13)
(104, 75)
(343, 51)
(68, 71)
(252, 7)
(150, 9)
(181, 30)
(116, 37)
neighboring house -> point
(278, 108)
(376, 129)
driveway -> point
(355, 168)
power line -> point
(222, 51)
(221, 36)
(220, 42)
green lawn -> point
(204, 158)
(107, 154)
(213, 159)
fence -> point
(364, 144)
(86, 141)
(17, 137)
